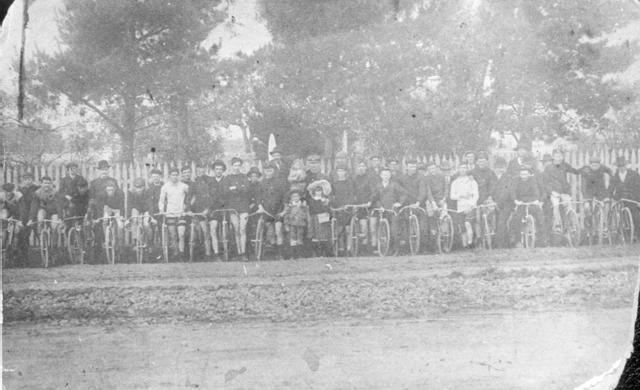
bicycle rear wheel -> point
(75, 246)
(45, 246)
(445, 234)
(572, 228)
(529, 232)
(384, 237)
(414, 235)
(258, 244)
(627, 228)
(354, 230)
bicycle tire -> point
(334, 237)
(572, 228)
(626, 222)
(225, 239)
(165, 243)
(445, 234)
(141, 243)
(259, 240)
(75, 246)
(613, 226)
(487, 234)
(529, 232)
(384, 237)
(414, 235)
(45, 239)
(110, 244)
(192, 239)
(354, 238)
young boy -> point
(296, 218)
(272, 196)
(343, 193)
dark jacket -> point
(501, 192)
(154, 198)
(69, 186)
(254, 196)
(200, 195)
(97, 186)
(438, 187)
(555, 178)
(486, 180)
(52, 202)
(273, 193)
(629, 189)
(138, 201)
(237, 192)
(593, 182)
(416, 187)
(15, 206)
(114, 202)
(362, 189)
(386, 196)
(217, 194)
(525, 191)
(343, 192)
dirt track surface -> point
(549, 318)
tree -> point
(132, 63)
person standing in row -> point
(237, 198)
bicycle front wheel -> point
(627, 228)
(258, 244)
(75, 246)
(354, 230)
(414, 235)
(529, 232)
(384, 237)
(45, 246)
(141, 243)
(572, 228)
(445, 234)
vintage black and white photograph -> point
(320, 194)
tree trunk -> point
(128, 133)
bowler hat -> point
(219, 163)
(254, 171)
(236, 160)
(72, 165)
(156, 171)
(103, 164)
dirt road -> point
(520, 320)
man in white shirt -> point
(464, 190)
(173, 195)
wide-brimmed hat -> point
(155, 171)
(72, 165)
(325, 185)
(103, 164)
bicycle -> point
(77, 239)
(164, 233)
(414, 227)
(594, 221)
(488, 224)
(384, 229)
(261, 233)
(195, 232)
(528, 233)
(622, 227)
(445, 233)
(7, 244)
(139, 236)
(225, 230)
(110, 231)
(46, 242)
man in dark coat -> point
(389, 195)
(237, 192)
(625, 184)
(501, 196)
(525, 190)
(69, 183)
(281, 166)
(98, 186)
(217, 197)
(273, 193)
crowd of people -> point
(298, 200)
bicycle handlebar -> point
(9, 220)
(411, 207)
(231, 211)
(262, 212)
(635, 202)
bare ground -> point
(549, 318)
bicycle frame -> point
(414, 226)
(528, 234)
(224, 229)
(384, 229)
(258, 242)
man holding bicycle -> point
(526, 190)
(217, 198)
(200, 202)
(555, 179)
(464, 190)
(237, 196)
(172, 200)
(46, 204)
(625, 184)
(389, 195)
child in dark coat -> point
(296, 218)
(319, 231)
